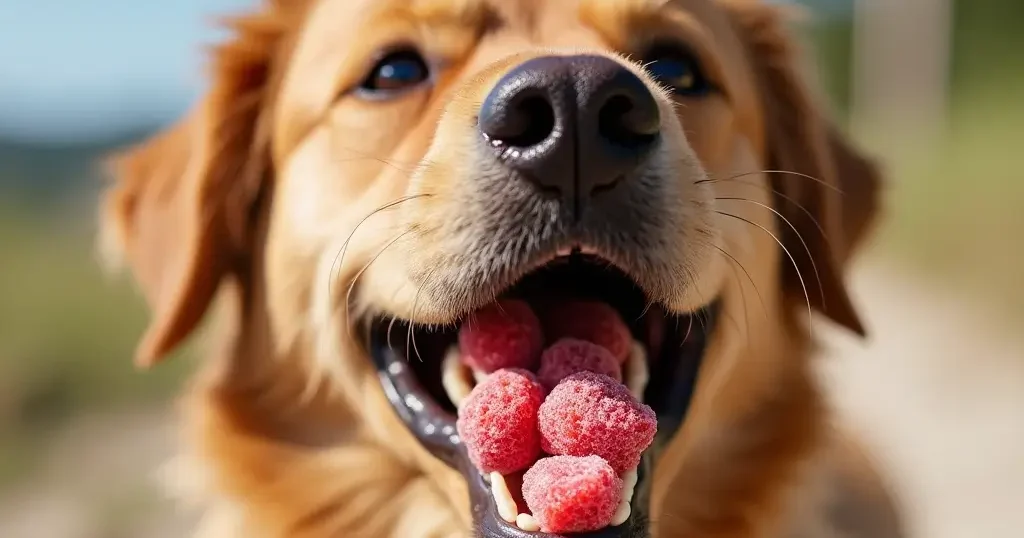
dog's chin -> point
(424, 379)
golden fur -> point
(266, 198)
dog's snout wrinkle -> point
(572, 125)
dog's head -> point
(370, 172)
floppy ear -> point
(826, 189)
(180, 211)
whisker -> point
(391, 325)
(814, 265)
(340, 256)
(753, 284)
(647, 307)
(807, 297)
(692, 277)
(689, 327)
(406, 171)
(743, 299)
(416, 348)
(410, 337)
(743, 296)
(365, 155)
(355, 279)
(786, 172)
(782, 195)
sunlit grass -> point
(63, 322)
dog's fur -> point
(267, 196)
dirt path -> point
(99, 481)
(939, 392)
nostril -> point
(532, 121)
(624, 122)
(527, 119)
(522, 120)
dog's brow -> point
(601, 13)
(468, 13)
(629, 8)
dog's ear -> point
(826, 189)
(180, 211)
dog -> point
(362, 175)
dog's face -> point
(374, 171)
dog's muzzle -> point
(572, 135)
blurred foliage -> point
(987, 38)
(66, 330)
(956, 214)
(987, 43)
(952, 211)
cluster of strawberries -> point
(574, 428)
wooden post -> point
(900, 78)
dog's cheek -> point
(289, 279)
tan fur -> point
(268, 197)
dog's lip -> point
(669, 392)
(432, 425)
(563, 250)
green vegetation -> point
(954, 210)
(956, 213)
(66, 333)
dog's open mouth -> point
(426, 382)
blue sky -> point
(75, 67)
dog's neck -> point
(738, 471)
(299, 463)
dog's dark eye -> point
(678, 69)
(395, 72)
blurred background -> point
(935, 88)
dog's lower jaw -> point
(737, 480)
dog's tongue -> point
(508, 334)
(592, 321)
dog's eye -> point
(395, 72)
(678, 69)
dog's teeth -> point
(506, 505)
(621, 514)
(636, 370)
(629, 485)
(527, 523)
(454, 377)
(479, 376)
(630, 478)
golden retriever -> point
(362, 174)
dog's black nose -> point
(572, 124)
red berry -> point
(569, 356)
(592, 321)
(590, 413)
(498, 421)
(505, 334)
(572, 494)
